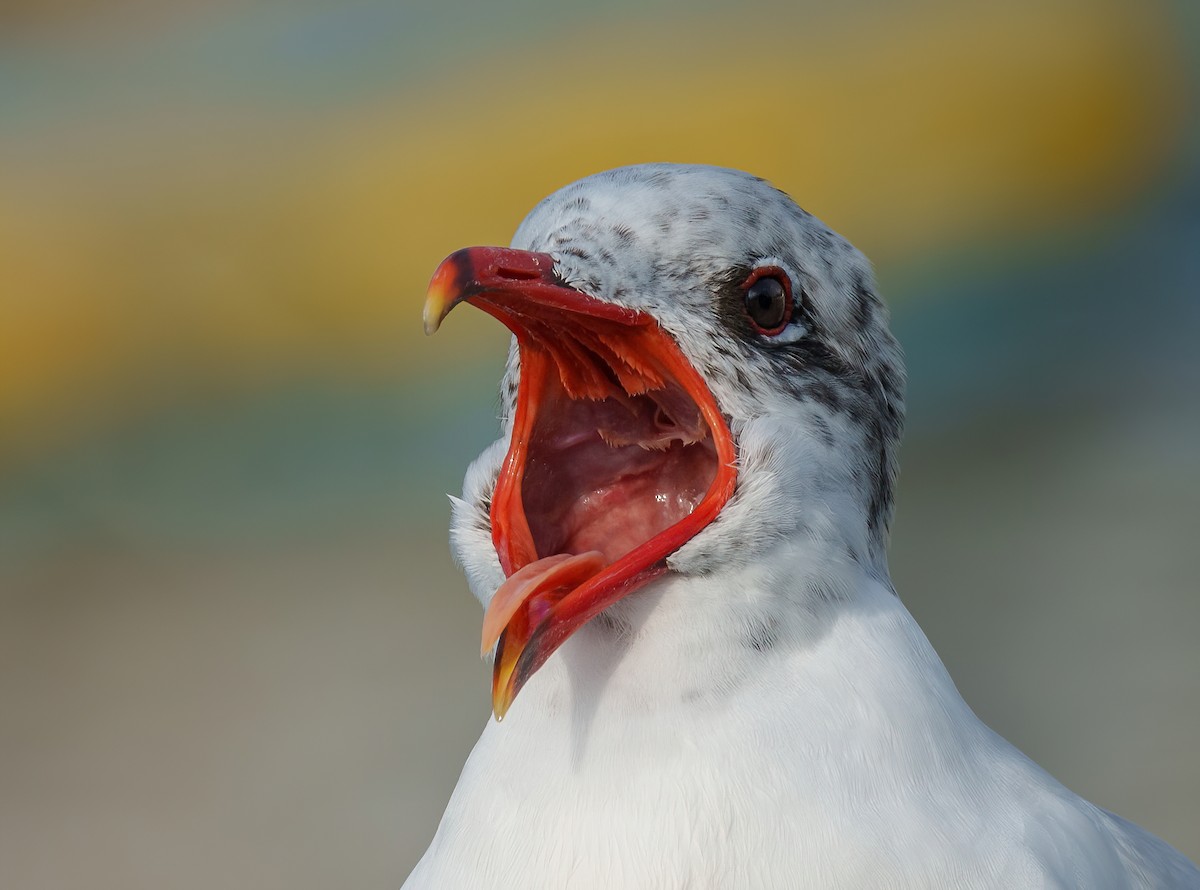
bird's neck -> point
(698, 637)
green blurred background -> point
(233, 649)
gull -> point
(702, 674)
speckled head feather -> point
(816, 411)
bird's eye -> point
(768, 299)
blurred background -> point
(233, 649)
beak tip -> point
(499, 709)
(431, 321)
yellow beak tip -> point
(500, 709)
(431, 318)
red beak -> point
(611, 422)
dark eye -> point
(768, 299)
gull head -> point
(701, 375)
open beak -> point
(619, 454)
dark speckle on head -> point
(763, 635)
(820, 242)
(821, 425)
(823, 592)
(824, 392)
(625, 235)
(864, 302)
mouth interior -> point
(619, 456)
(609, 469)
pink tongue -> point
(559, 573)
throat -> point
(701, 639)
(609, 475)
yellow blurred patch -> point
(127, 285)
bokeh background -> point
(233, 649)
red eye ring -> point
(768, 300)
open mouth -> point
(619, 454)
(609, 473)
